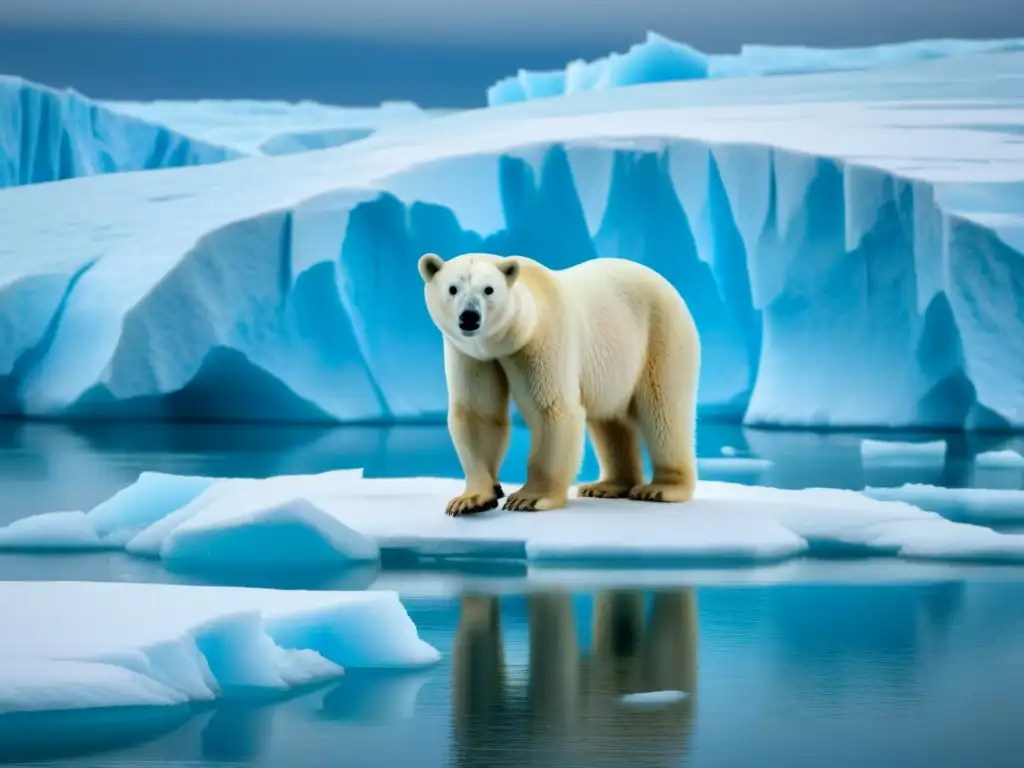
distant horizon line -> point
(158, 65)
(607, 43)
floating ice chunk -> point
(653, 698)
(732, 464)
(55, 684)
(896, 454)
(150, 498)
(290, 534)
(73, 645)
(342, 517)
(52, 531)
(999, 460)
(258, 523)
(986, 505)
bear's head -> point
(470, 295)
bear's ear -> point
(429, 265)
(510, 269)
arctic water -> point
(842, 671)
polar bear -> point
(607, 345)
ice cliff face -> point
(850, 244)
(49, 135)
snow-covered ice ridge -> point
(850, 244)
(659, 59)
(338, 519)
(49, 135)
(77, 645)
(272, 127)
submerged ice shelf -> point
(49, 135)
(79, 645)
(862, 227)
(341, 519)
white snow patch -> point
(340, 518)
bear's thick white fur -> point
(607, 345)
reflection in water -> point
(801, 676)
(571, 712)
(237, 732)
(251, 727)
(373, 696)
(27, 736)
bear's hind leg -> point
(617, 446)
(665, 409)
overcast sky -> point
(488, 21)
(437, 52)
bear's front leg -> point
(556, 452)
(480, 441)
(478, 421)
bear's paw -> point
(473, 503)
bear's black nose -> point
(469, 320)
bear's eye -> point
(488, 291)
(452, 290)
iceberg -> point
(859, 227)
(80, 645)
(658, 59)
(49, 135)
(272, 127)
(340, 518)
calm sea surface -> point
(857, 673)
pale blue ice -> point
(850, 244)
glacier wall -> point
(49, 135)
(658, 59)
(851, 262)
